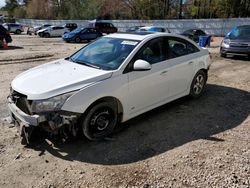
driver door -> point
(149, 88)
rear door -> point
(182, 57)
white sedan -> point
(109, 81)
(52, 31)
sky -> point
(2, 3)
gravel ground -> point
(187, 143)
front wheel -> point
(198, 84)
(41, 34)
(223, 55)
(47, 35)
(77, 39)
(99, 121)
(18, 31)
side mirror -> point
(141, 65)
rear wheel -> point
(99, 121)
(198, 84)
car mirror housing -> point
(141, 65)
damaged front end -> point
(28, 115)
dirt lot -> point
(187, 143)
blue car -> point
(81, 34)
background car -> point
(4, 34)
(33, 30)
(81, 34)
(70, 26)
(236, 42)
(14, 28)
(104, 27)
(194, 34)
(133, 28)
(52, 31)
(152, 29)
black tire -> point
(47, 35)
(223, 55)
(198, 84)
(41, 34)
(100, 121)
(18, 31)
(77, 39)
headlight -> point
(225, 43)
(51, 104)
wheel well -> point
(112, 100)
(205, 71)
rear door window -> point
(180, 47)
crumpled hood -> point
(55, 78)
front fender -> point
(116, 87)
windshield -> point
(189, 32)
(105, 53)
(239, 32)
(78, 30)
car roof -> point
(141, 35)
(150, 27)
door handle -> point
(191, 62)
(163, 72)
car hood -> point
(56, 78)
(37, 27)
(68, 34)
(240, 40)
(42, 30)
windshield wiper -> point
(85, 63)
(69, 59)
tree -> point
(10, 6)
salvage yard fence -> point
(217, 27)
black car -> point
(81, 34)
(237, 42)
(70, 26)
(4, 34)
(102, 26)
(194, 34)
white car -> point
(109, 81)
(52, 31)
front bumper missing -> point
(50, 122)
(24, 122)
(21, 117)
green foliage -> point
(10, 6)
(128, 9)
